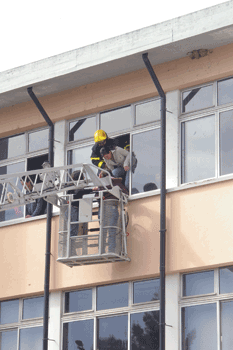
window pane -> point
(148, 112)
(12, 146)
(226, 280)
(198, 149)
(31, 338)
(78, 335)
(146, 291)
(145, 330)
(198, 283)
(82, 128)
(225, 91)
(226, 325)
(9, 311)
(17, 212)
(109, 297)
(119, 119)
(78, 301)
(80, 155)
(199, 327)
(8, 340)
(113, 333)
(197, 98)
(226, 142)
(38, 140)
(33, 307)
(146, 147)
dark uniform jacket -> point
(96, 158)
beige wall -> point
(199, 236)
(118, 91)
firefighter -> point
(101, 139)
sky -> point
(34, 30)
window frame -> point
(200, 113)
(134, 129)
(204, 299)
(95, 314)
(22, 323)
(23, 158)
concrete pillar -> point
(172, 312)
(55, 311)
(172, 138)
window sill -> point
(23, 220)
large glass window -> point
(146, 147)
(109, 297)
(198, 283)
(117, 120)
(21, 323)
(117, 314)
(137, 124)
(207, 134)
(197, 98)
(199, 327)
(206, 319)
(21, 153)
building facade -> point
(106, 86)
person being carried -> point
(101, 139)
(118, 161)
(39, 207)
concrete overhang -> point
(166, 41)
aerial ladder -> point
(97, 234)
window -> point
(99, 318)
(21, 153)
(207, 131)
(137, 125)
(21, 322)
(206, 307)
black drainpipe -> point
(49, 220)
(162, 202)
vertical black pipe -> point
(162, 202)
(49, 221)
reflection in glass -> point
(146, 146)
(78, 335)
(109, 297)
(226, 325)
(146, 291)
(8, 340)
(12, 146)
(38, 140)
(225, 91)
(33, 307)
(145, 330)
(198, 283)
(199, 327)
(148, 112)
(78, 301)
(17, 212)
(119, 119)
(198, 149)
(82, 128)
(226, 142)
(9, 311)
(197, 98)
(113, 333)
(226, 280)
(31, 338)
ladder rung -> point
(93, 229)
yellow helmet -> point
(100, 135)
